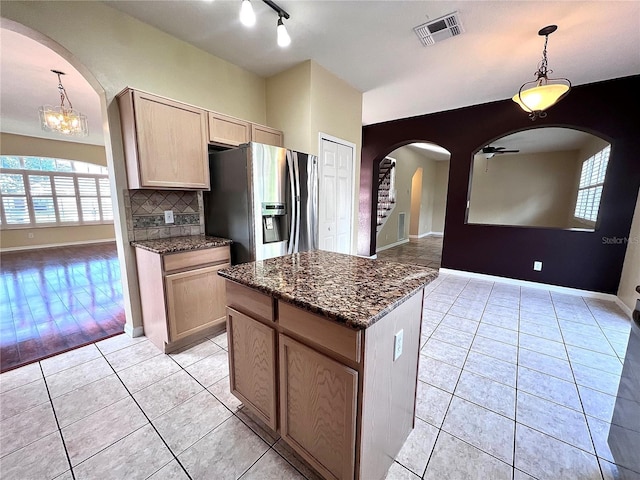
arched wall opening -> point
(117, 173)
(411, 203)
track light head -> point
(247, 15)
(284, 40)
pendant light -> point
(546, 91)
(247, 15)
(63, 119)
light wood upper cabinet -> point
(231, 131)
(195, 300)
(165, 142)
(266, 135)
(318, 408)
(252, 358)
(226, 130)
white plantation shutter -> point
(37, 191)
(594, 170)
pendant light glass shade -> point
(541, 97)
(284, 40)
(247, 15)
(544, 92)
(63, 119)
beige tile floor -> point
(514, 383)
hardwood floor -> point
(57, 299)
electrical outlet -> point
(537, 266)
(397, 350)
(168, 216)
(30, 235)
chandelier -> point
(546, 91)
(63, 119)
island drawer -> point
(321, 331)
(250, 302)
(194, 258)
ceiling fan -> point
(493, 150)
(490, 151)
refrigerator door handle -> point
(292, 227)
(297, 202)
(313, 211)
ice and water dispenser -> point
(275, 227)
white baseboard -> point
(386, 247)
(525, 283)
(428, 234)
(54, 245)
(133, 331)
(625, 308)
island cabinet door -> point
(252, 362)
(195, 301)
(318, 408)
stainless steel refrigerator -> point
(265, 199)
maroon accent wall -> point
(572, 259)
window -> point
(36, 191)
(590, 189)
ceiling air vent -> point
(439, 29)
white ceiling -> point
(27, 83)
(372, 46)
(369, 44)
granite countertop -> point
(352, 290)
(181, 244)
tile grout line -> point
(148, 420)
(515, 406)
(575, 381)
(55, 416)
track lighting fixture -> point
(248, 18)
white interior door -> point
(335, 196)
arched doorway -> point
(412, 191)
(27, 144)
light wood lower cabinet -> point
(182, 295)
(335, 395)
(252, 352)
(195, 300)
(318, 399)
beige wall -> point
(432, 195)
(630, 277)
(440, 196)
(33, 237)
(18, 239)
(416, 201)
(11, 144)
(524, 189)
(289, 105)
(307, 100)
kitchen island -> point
(323, 348)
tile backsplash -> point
(145, 213)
